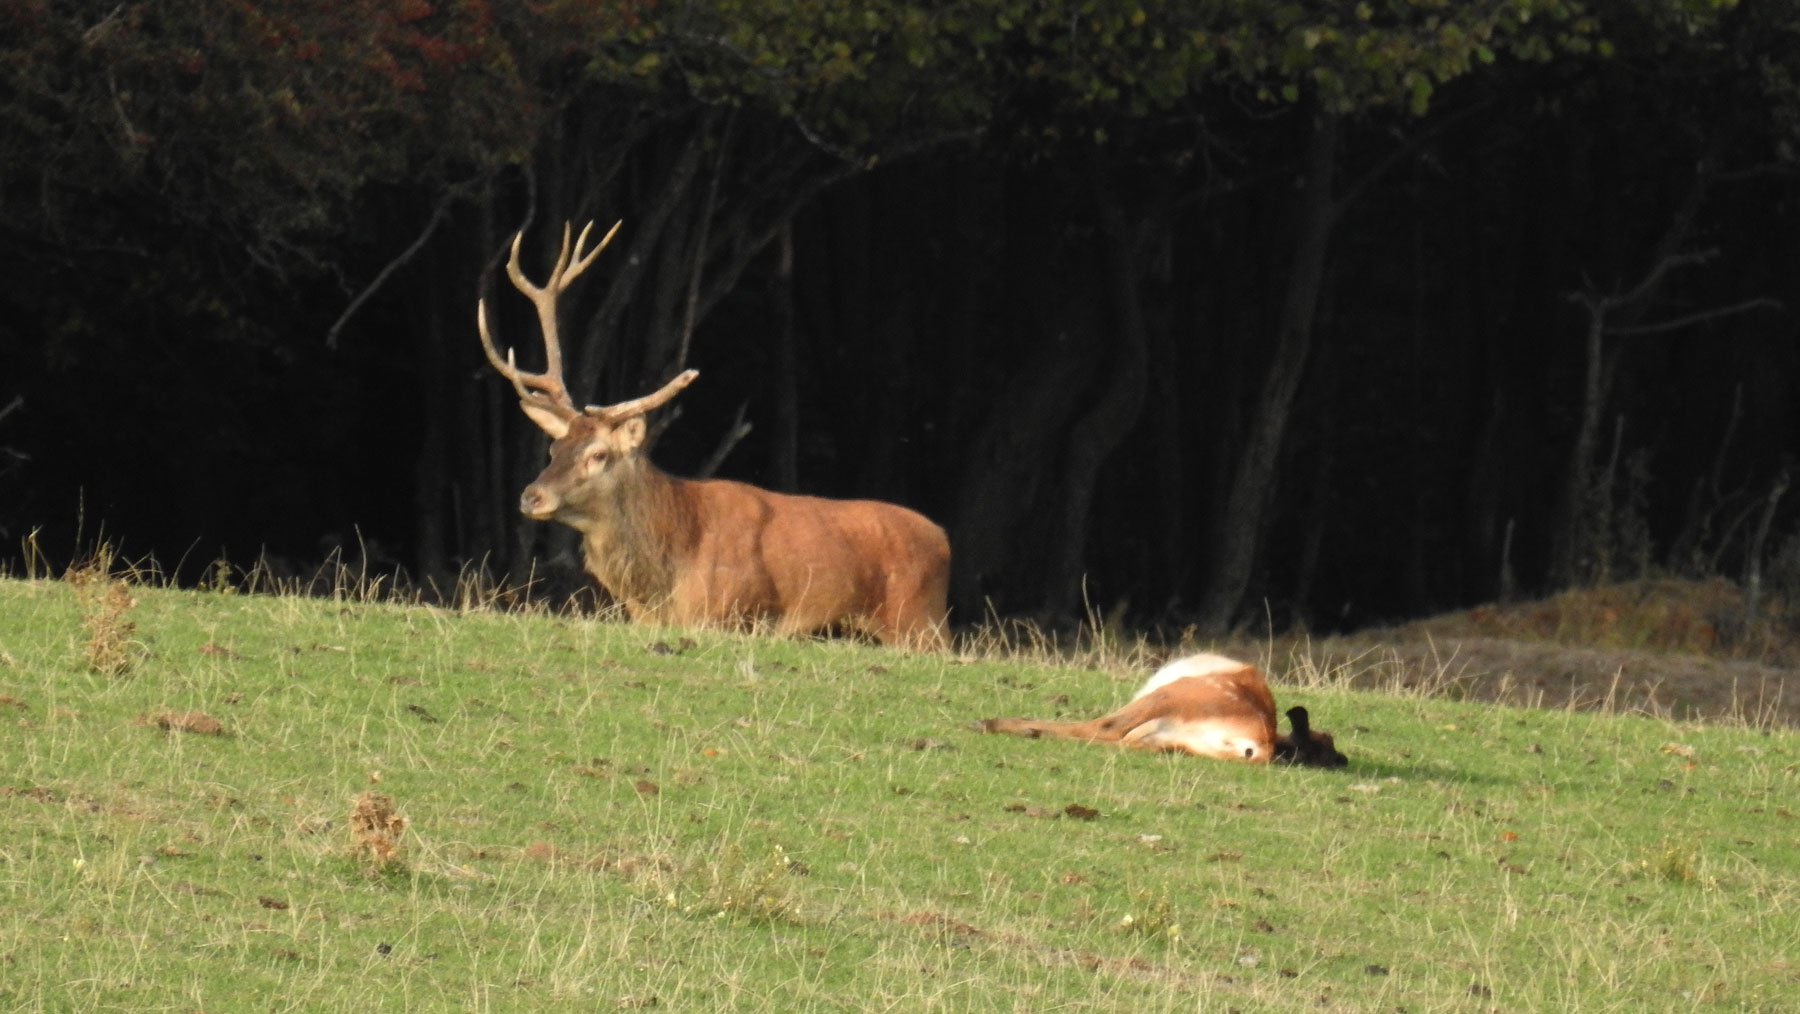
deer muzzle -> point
(539, 502)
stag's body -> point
(1206, 705)
(712, 552)
(715, 552)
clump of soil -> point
(198, 722)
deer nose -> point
(537, 502)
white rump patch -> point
(1206, 664)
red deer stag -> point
(1207, 705)
(712, 552)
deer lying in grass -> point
(712, 552)
(1207, 705)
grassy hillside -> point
(215, 802)
(1678, 648)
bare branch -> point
(1655, 275)
(690, 309)
(738, 430)
(437, 218)
(1402, 152)
(1697, 317)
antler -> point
(648, 403)
(547, 388)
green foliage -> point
(263, 119)
(595, 819)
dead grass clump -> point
(198, 722)
(734, 886)
(375, 831)
(106, 603)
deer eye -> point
(599, 456)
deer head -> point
(1308, 746)
(591, 448)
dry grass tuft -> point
(106, 603)
(375, 830)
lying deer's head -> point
(1307, 746)
(591, 448)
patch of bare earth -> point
(1680, 649)
(198, 722)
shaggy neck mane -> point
(640, 527)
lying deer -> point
(1207, 705)
(712, 552)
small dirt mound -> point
(197, 722)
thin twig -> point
(689, 316)
(1697, 317)
(437, 218)
(1655, 276)
(739, 429)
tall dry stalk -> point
(106, 603)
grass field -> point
(260, 803)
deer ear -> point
(554, 423)
(629, 435)
(1301, 722)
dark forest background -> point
(1191, 313)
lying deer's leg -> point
(1105, 729)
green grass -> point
(602, 817)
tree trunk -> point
(1237, 535)
(1170, 556)
(1098, 433)
(431, 470)
(1009, 463)
(787, 367)
(1565, 563)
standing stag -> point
(712, 552)
(1207, 705)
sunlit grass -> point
(598, 816)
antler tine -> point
(571, 261)
(583, 260)
(648, 403)
(549, 388)
(543, 297)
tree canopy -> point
(1142, 299)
